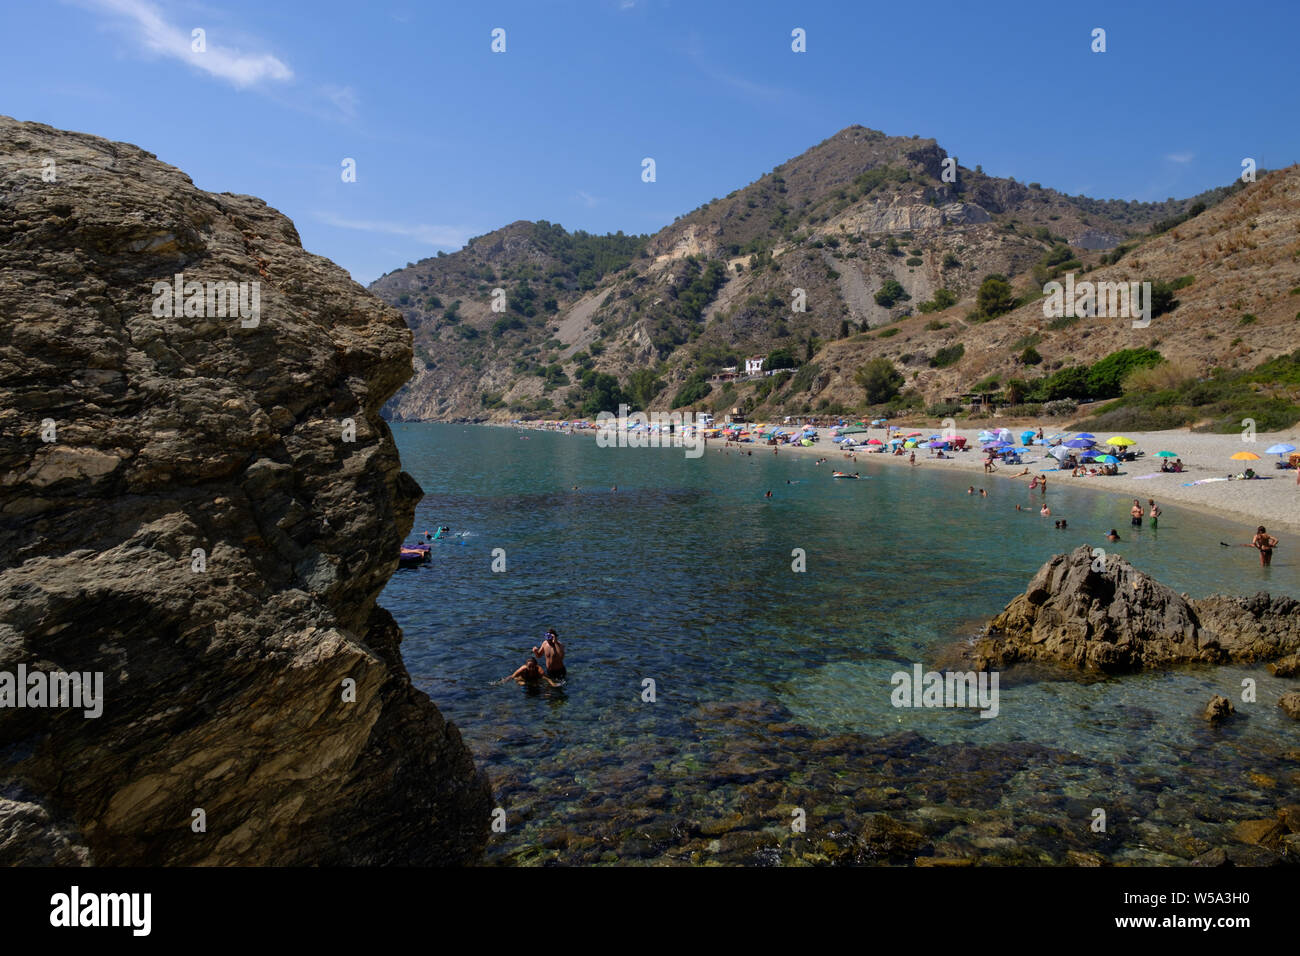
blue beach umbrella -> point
(1280, 449)
(1078, 443)
(1108, 459)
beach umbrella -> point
(875, 441)
(1108, 459)
(1078, 443)
(913, 434)
(937, 444)
(1280, 449)
(1089, 435)
(1121, 441)
(1166, 454)
(1245, 456)
(1027, 436)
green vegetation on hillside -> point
(880, 380)
(1172, 397)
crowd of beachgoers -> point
(1251, 477)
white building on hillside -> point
(754, 366)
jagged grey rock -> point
(1100, 613)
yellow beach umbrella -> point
(1120, 440)
(1245, 456)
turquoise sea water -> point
(772, 687)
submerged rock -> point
(1290, 704)
(202, 504)
(1097, 612)
(1219, 708)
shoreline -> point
(1273, 500)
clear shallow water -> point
(772, 687)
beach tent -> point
(1060, 452)
(1027, 436)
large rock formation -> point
(184, 508)
(1097, 612)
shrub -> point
(1030, 356)
(692, 390)
(887, 333)
(892, 291)
(943, 299)
(944, 409)
(948, 355)
(994, 298)
(1169, 374)
(880, 380)
(1060, 407)
(950, 261)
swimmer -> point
(1113, 535)
(531, 673)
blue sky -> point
(452, 140)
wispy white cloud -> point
(706, 64)
(587, 198)
(344, 98)
(145, 23)
(451, 237)
(1180, 158)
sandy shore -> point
(1274, 500)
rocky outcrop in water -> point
(1098, 612)
(199, 503)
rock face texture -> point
(1100, 613)
(203, 508)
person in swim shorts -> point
(553, 651)
(1136, 512)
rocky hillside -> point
(202, 509)
(869, 227)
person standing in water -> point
(553, 651)
(1153, 512)
(1136, 512)
(1265, 542)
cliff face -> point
(203, 508)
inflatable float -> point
(413, 556)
